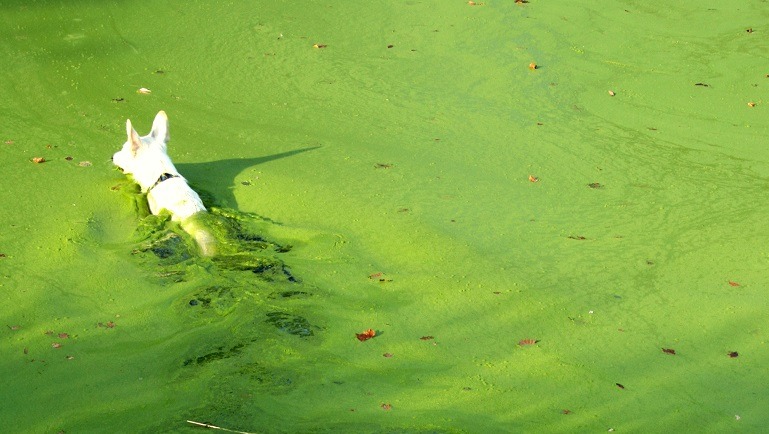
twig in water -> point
(208, 425)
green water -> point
(402, 145)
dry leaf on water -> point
(368, 334)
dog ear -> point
(160, 127)
(133, 137)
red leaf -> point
(368, 334)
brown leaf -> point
(733, 354)
(733, 283)
(427, 338)
(38, 160)
(387, 407)
(523, 342)
(366, 335)
(670, 351)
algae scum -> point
(550, 216)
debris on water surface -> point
(319, 46)
(533, 178)
(143, 90)
(55, 345)
(85, 164)
(576, 237)
(533, 66)
(109, 325)
(733, 354)
(751, 104)
(524, 342)
(702, 84)
(383, 166)
(733, 283)
(670, 351)
(387, 407)
(611, 93)
(620, 385)
(380, 277)
(14, 327)
(208, 425)
(427, 338)
(387, 355)
(366, 335)
(38, 160)
(566, 411)
(595, 185)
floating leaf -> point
(368, 334)
(523, 342)
(427, 338)
(319, 46)
(387, 407)
(670, 351)
(38, 160)
(387, 355)
(733, 354)
(533, 66)
(733, 283)
(533, 178)
(144, 91)
(620, 385)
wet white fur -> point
(146, 159)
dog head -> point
(145, 158)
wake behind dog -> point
(146, 160)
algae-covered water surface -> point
(551, 215)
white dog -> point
(146, 160)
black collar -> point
(162, 178)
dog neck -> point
(162, 178)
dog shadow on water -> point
(246, 262)
(220, 175)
